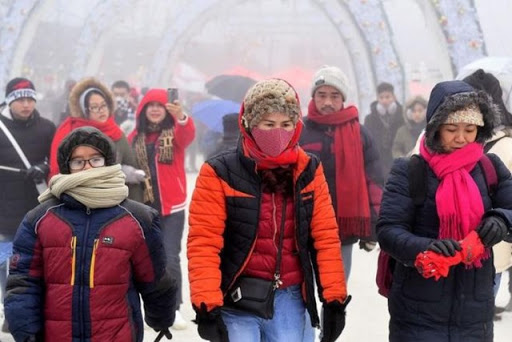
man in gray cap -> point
(350, 158)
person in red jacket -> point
(162, 133)
(84, 256)
(263, 229)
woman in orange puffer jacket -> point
(261, 214)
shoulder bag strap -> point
(41, 187)
(15, 145)
(490, 175)
(417, 179)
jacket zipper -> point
(93, 261)
(157, 183)
(81, 304)
(73, 260)
(274, 221)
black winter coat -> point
(18, 194)
(317, 139)
(457, 308)
(383, 134)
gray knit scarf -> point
(101, 187)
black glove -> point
(210, 325)
(38, 172)
(367, 245)
(492, 230)
(446, 247)
(162, 333)
(333, 320)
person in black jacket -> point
(18, 180)
(230, 135)
(457, 203)
(383, 122)
(350, 158)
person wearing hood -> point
(500, 143)
(458, 204)
(262, 227)
(163, 132)
(91, 104)
(383, 122)
(19, 180)
(414, 118)
(84, 255)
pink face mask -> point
(273, 141)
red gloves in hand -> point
(432, 264)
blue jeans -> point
(172, 231)
(5, 254)
(346, 251)
(497, 282)
(286, 325)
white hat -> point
(330, 76)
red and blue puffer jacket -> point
(76, 273)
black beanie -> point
(487, 82)
(88, 136)
(18, 88)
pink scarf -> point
(458, 200)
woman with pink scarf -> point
(460, 215)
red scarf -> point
(458, 200)
(264, 162)
(353, 207)
(109, 128)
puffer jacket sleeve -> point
(25, 286)
(156, 286)
(394, 227)
(184, 132)
(207, 219)
(326, 241)
(502, 198)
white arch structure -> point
(12, 28)
(363, 26)
(459, 22)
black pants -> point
(172, 232)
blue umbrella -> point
(210, 112)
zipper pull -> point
(73, 260)
(277, 281)
(93, 263)
(88, 211)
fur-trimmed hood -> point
(74, 97)
(452, 102)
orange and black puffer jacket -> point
(224, 217)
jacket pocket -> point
(416, 287)
(484, 281)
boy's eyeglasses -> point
(79, 164)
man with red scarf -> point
(350, 158)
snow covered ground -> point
(367, 316)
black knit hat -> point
(487, 82)
(88, 136)
(18, 88)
